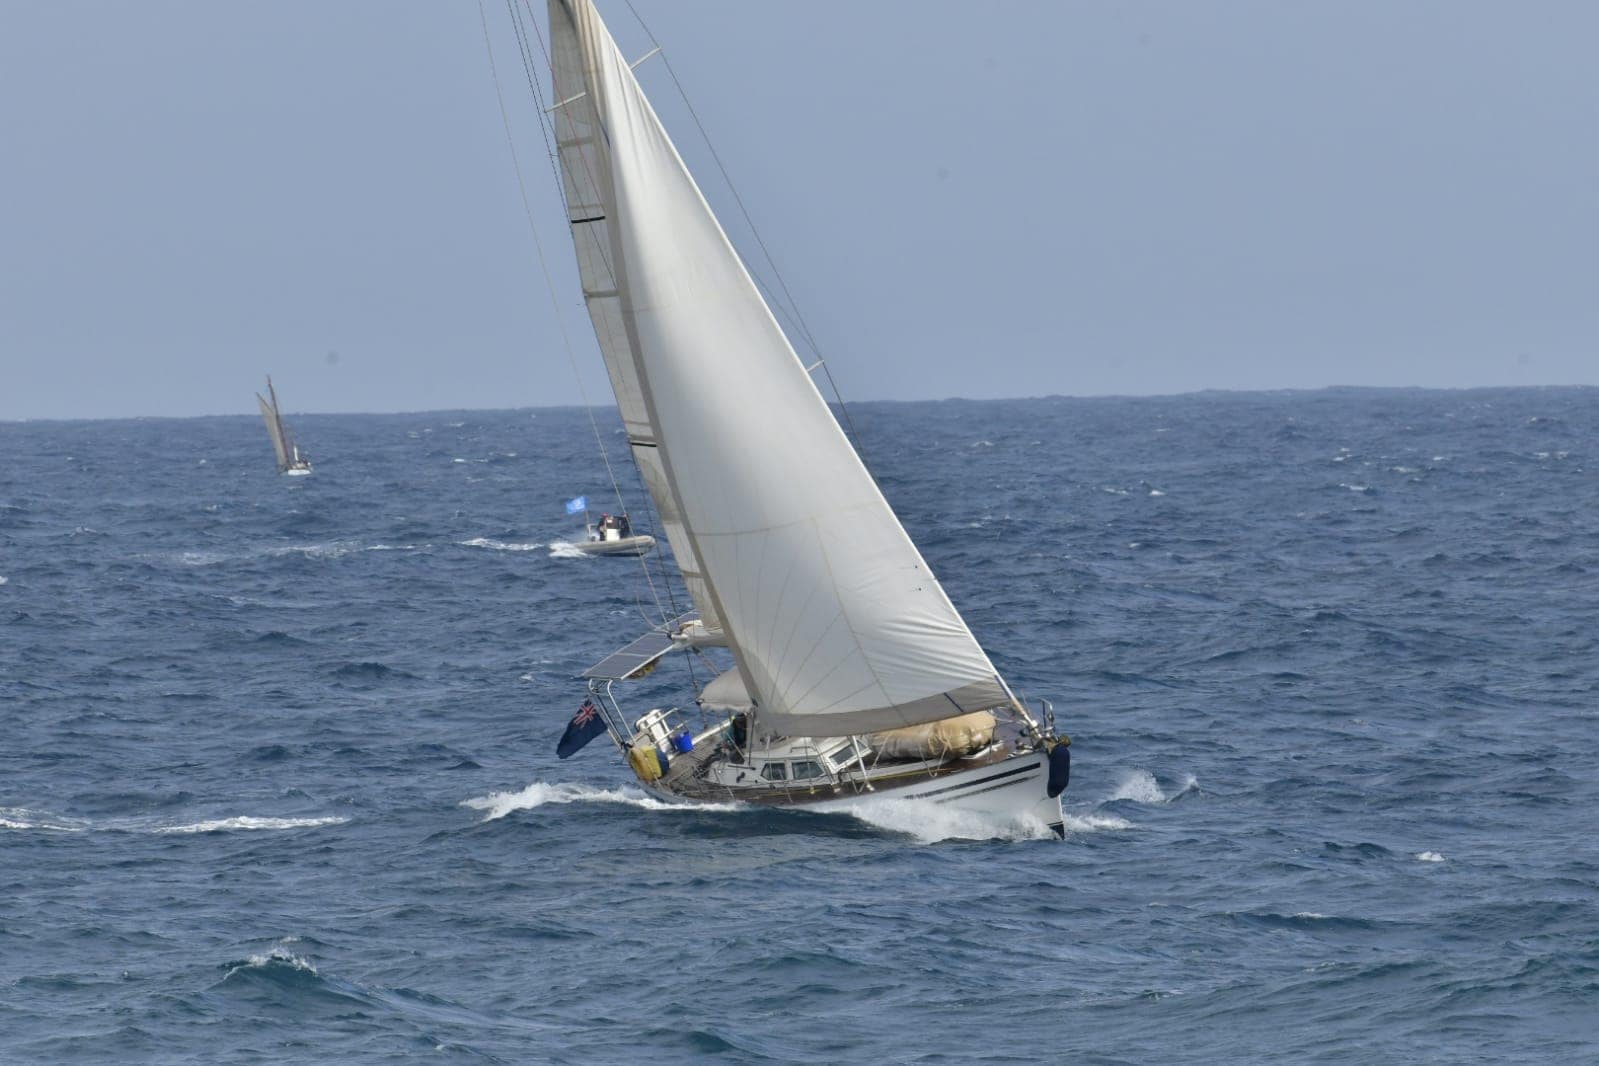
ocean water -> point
(277, 780)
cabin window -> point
(842, 758)
(805, 771)
(774, 771)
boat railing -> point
(662, 727)
(1046, 710)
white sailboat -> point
(291, 460)
(854, 681)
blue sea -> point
(277, 778)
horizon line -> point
(830, 403)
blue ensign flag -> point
(576, 504)
(585, 725)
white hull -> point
(1003, 794)
(624, 546)
(297, 471)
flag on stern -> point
(585, 725)
(576, 504)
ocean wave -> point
(368, 671)
(565, 549)
(249, 822)
(279, 958)
(1140, 786)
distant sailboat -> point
(290, 459)
(612, 536)
(854, 681)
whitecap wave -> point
(1140, 786)
(539, 793)
(219, 825)
(280, 955)
(1429, 856)
(333, 549)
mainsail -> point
(274, 430)
(279, 433)
(834, 620)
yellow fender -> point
(648, 763)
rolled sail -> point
(835, 622)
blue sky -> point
(1011, 199)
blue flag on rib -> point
(585, 725)
(576, 504)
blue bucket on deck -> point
(682, 743)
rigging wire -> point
(549, 281)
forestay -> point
(834, 620)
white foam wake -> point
(25, 818)
(499, 546)
(565, 549)
(499, 804)
(219, 825)
(1094, 823)
(931, 823)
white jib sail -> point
(834, 619)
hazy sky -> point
(1004, 199)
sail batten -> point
(835, 621)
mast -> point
(835, 621)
